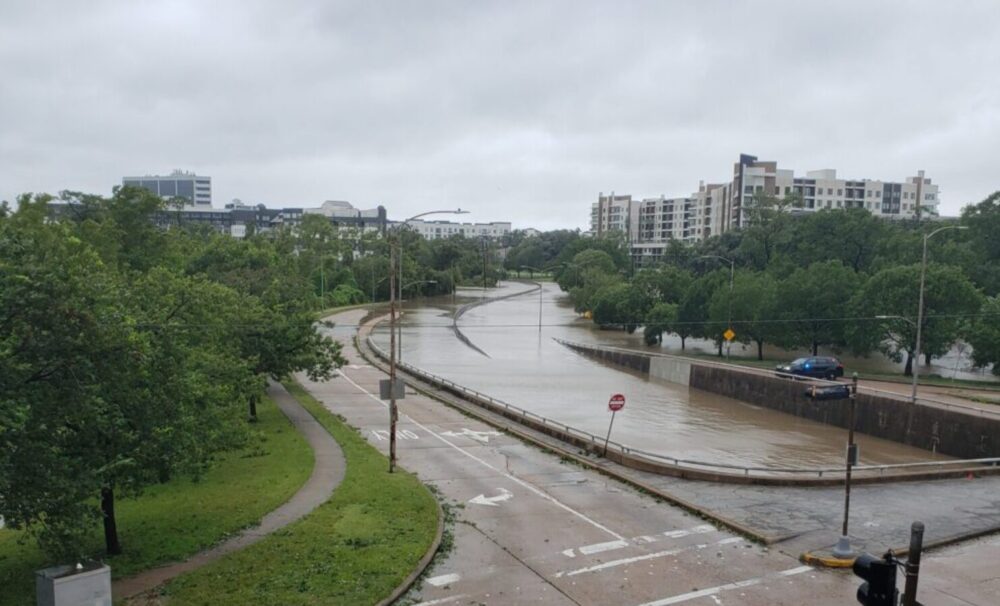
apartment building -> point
(196, 189)
(650, 224)
(433, 230)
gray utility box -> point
(89, 585)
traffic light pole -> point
(843, 548)
(913, 564)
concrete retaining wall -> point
(948, 431)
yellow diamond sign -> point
(729, 334)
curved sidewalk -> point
(328, 472)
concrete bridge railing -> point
(694, 469)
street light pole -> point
(539, 297)
(920, 307)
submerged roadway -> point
(530, 528)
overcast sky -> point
(515, 111)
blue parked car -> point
(817, 367)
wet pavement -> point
(525, 367)
(531, 528)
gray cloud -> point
(518, 111)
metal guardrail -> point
(770, 373)
(677, 462)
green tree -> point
(660, 319)
(692, 312)
(754, 304)
(949, 298)
(814, 304)
(984, 336)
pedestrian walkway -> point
(328, 472)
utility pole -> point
(392, 359)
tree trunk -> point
(927, 359)
(720, 348)
(815, 348)
(760, 349)
(682, 342)
(908, 370)
(253, 408)
(111, 544)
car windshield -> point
(799, 362)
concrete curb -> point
(828, 561)
(422, 565)
(474, 411)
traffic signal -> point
(879, 588)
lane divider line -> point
(544, 495)
(647, 556)
(711, 591)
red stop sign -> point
(617, 402)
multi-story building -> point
(197, 190)
(651, 223)
(432, 230)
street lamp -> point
(393, 410)
(539, 296)
(732, 273)
(920, 306)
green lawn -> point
(174, 520)
(354, 549)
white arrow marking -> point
(479, 436)
(444, 579)
(358, 366)
(492, 501)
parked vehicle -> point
(818, 367)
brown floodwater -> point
(525, 367)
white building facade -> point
(651, 223)
(432, 230)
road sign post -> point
(616, 403)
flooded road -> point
(522, 364)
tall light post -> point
(920, 306)
(539, 296)
(732, 273)
(396, 255)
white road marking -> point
(444, 579)
(647, 556)
(358, 366)
(514, 479)
(640, 540)
(452, 598)
(711, 591)
(676, 534)
(492, 501)
(479, 436)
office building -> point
(197, 190)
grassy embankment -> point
(171, 521)
(354, 549)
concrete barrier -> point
(953, 432)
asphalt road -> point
(532, 529)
